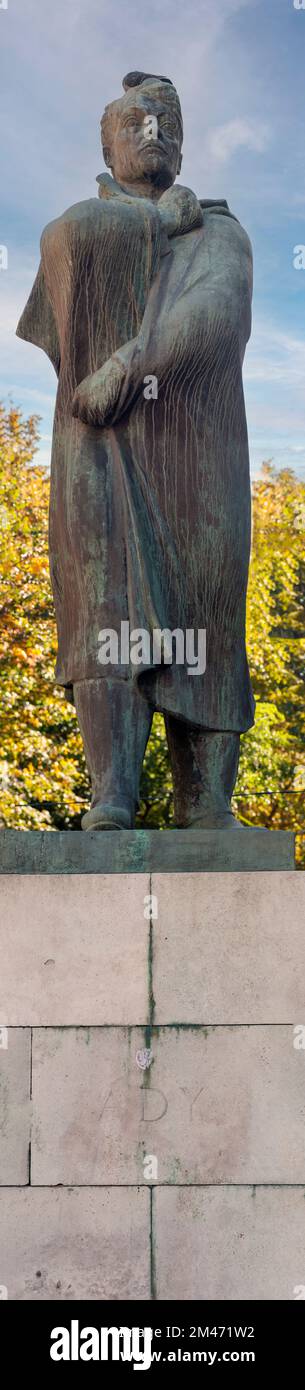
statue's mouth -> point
(152, 145)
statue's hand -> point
(179, 210)
(97, 396)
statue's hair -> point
(112, 111)
(135, 79)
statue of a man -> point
(142, 302)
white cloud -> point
(224, 140)
(275, 355)
(274, 390)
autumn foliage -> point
(43, 779)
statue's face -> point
(143, 150)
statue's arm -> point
(101, 399)
(37, 323)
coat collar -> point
(179, 209)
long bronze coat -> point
(150, 515)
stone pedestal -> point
(185, 1179)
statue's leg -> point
(204, 767)
(115, 723)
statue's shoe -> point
(222, 822)
(104, 816)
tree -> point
(43, 779)
(271, 782)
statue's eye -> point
(131, 120)
(167, 125)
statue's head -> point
(136, 148)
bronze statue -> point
(143, 303)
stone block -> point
(144, 851)
(229, 948)
(228, 1243)
(221, 1105)
(73, 950)
(15, 1105)
(59, 1244)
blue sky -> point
(239, 66)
